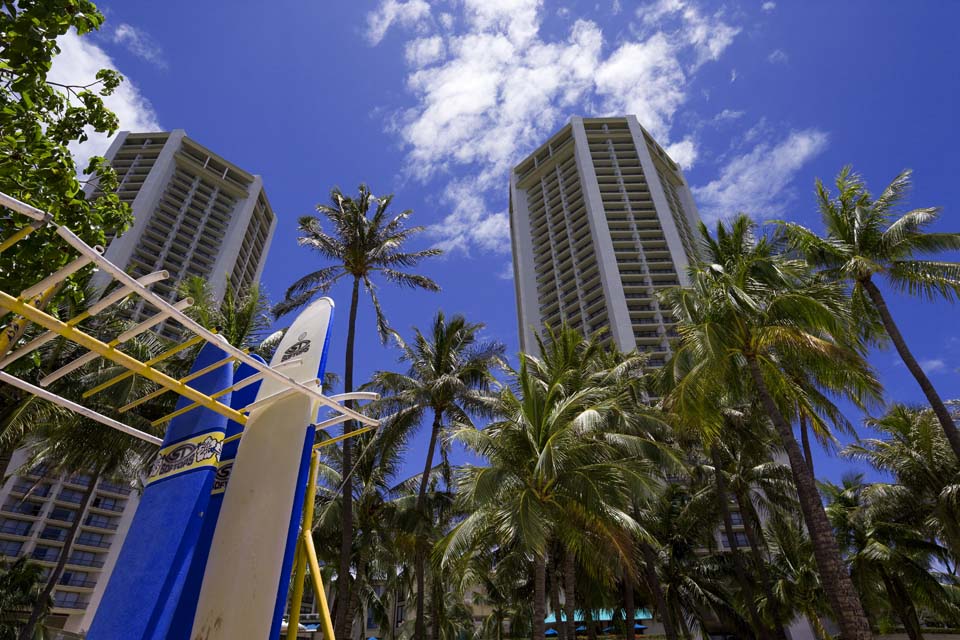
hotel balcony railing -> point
(101, 524)
(108, 505)
(16, 531)
(38, 491)
(78, 582)
(69, 603)
(71, 497)
(58, 536)
(90, 542)
(85, 562)
(25, 508)
(45, 555)
(115, 488)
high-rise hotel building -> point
(195, 214)
(601, 219)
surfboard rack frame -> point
(28, 307)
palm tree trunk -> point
(653, 583)
(805, 438)
(628, 606)
(843, 599)
(420, 627)
(436, 607)
(747, 515)
(539, 596)
(940, 409)
(28, 630)
(723, 501)
(555, 605)
(591, 625)
(344, 620)
(570, 593)
(903, 605)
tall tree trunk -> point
(843, 599)
(569, 593)
(629, 607)
(723, 501)
(653, 583)
(436, 607)
(805, 438)
(591, 625)
(756, 552)
(29, 628)
(344, 620)
(555, 606)
(940, 409)
(903, 605)
(539, 596)
(355, 592)
(420, 562)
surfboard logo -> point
(223, 477)
(298, 348)
(199, 451)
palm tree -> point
(867, 238)
(552, 475)
(750, 317)
(890, 563)
(449, 378)
(241, 317)
(360, 246)
(21, 587)
(926, 488)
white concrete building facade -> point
(600, 219)
(195, 214)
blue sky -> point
(434, 102)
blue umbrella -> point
(638, 627)
(551, 632)
(608, 629)
(581, 629)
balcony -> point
(78, 582)
(85, 562)
(45, 554)
(31, 490)
(12, 529)
(101, 523)
(73, 497)
(108, 504)
(88, 541)
(65, 601)
(57, 535)
(119, 489)
(24, 508)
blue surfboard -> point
(152, 568)
(187, 608)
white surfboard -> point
(240, 585)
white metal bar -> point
(73, 406)
(124, 278)
(129, 334)
(332, 422)
(355, 395)
(102, 304)
(21, 207)
(58, 276)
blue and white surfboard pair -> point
(204, 559)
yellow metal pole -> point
(340, 438)
(152, 361)
(311, 554)
(296, 598)
(159, 392)
(18, 325)
(300, 562)
(111, 353)
(17, 237)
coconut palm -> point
(890, 563)
(552, 475)
(449, 376)
(241, 317)
(360, 246)
(926, 487)
(750, 317)
(867, 238)
(21, 587)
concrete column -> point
(620, 328)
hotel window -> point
(10, 548)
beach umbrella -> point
(609, 629)
(551, 633)
(639, 627)
(581, 629)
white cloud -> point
(768, 6)
(758, 182)
(78, 63)
(489, 87)
(728, 115)
(733, 76)
(683, 153)
(408, 14)
(617, 7)
(140, 44)
(424, 51)
(778, 56)
(933, 365)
